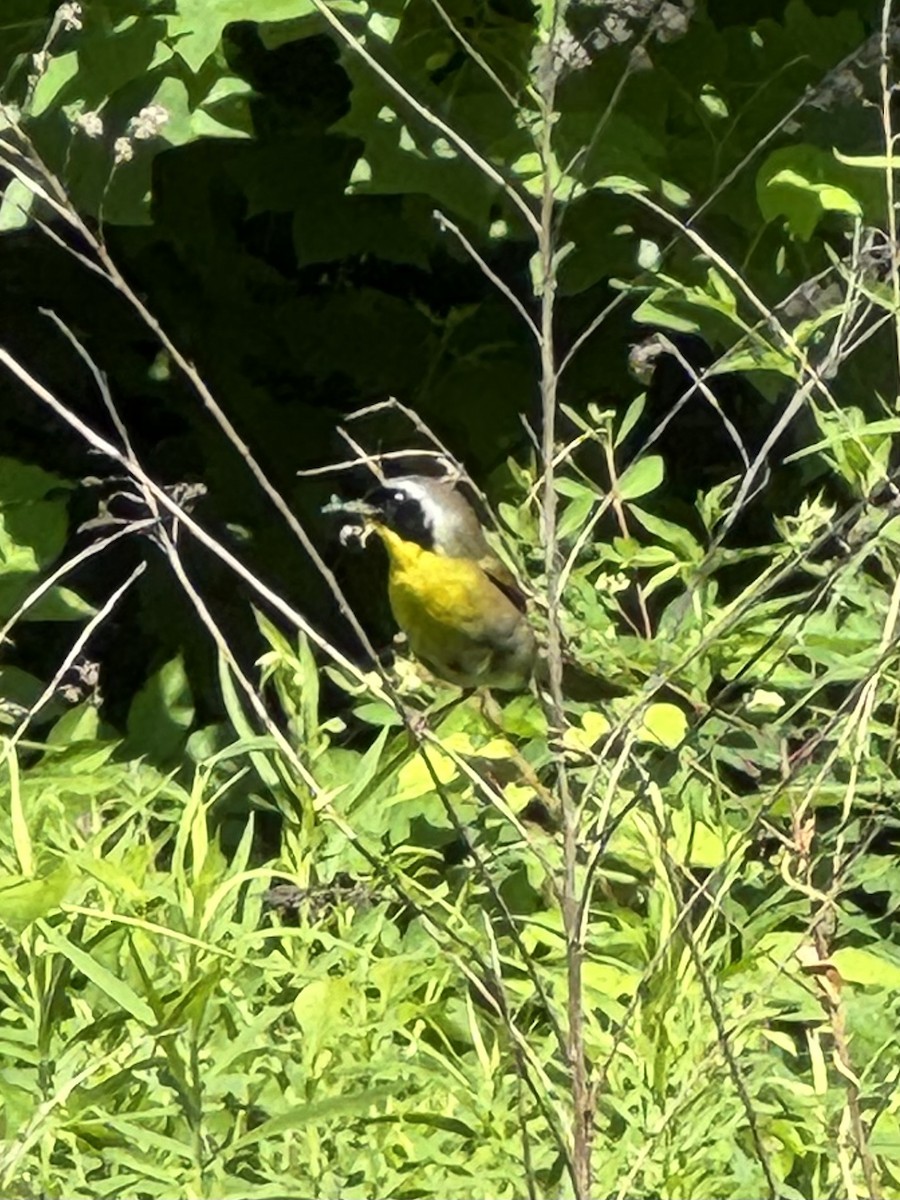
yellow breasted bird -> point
(459, 606)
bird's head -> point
(432, 513)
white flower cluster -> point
(146, 125)
(90, 124)
(123, 151)
(148, 122)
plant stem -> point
(582, 1105)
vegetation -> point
(264, 930)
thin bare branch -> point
(72, 656)
(173, 509)
(501, 286)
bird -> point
(464, 616)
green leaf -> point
(185, 122)
(233, 700)
(591, 728)
(664, 723)
(528, 165)
(359, 1104)
(803, 202)
(802, 183)
(610, 978)
(56, 604)
(18, 690)
(642, 477)
(576, 513)
(25, 900)
(61, 69)
(161, 714)
(632, 416)
(16, 207)
(867, 162)
(111, 985)
(79, 724)
(366, 771)
(21, 482)
(33, 526)
(32, 535)
(654, 312)
(649, 255)
(713, 103)
(405, 156)
(416, 777)
(667, 531)
(196, 26)
(695, 842)
(865, 967)
(378, 713)
(431, 1121)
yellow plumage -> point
(456, 618)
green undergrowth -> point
(185, 1014)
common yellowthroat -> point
(459, 606)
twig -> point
(453, 467)
(114, 276)
(100, 380)
(71, 656)
(582, 1099)
(372, 460)
(502, 287)
(254, 699)
(474, 54)
(166, 502)
(698, 383)
(41, 589)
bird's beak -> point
(362, 519)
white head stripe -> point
(441, 517)
(432, 509)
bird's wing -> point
(502, 578)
